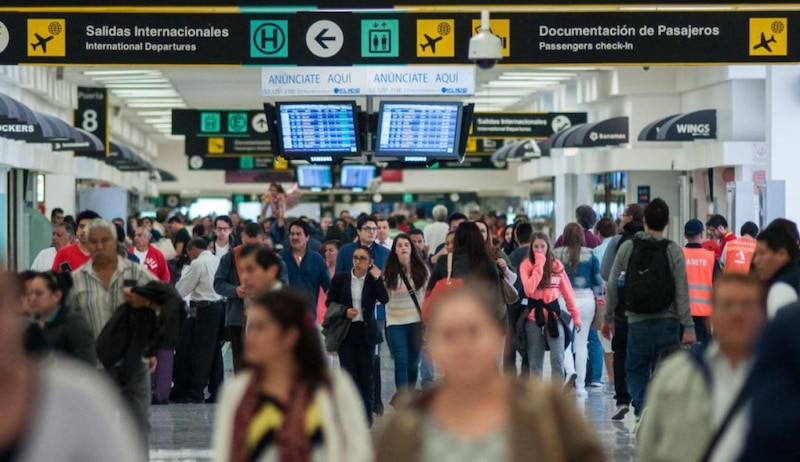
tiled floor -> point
(183, 432)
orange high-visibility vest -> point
(739, 255)
(700, 273)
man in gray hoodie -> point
(651, 333)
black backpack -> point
(649, 283)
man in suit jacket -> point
(359, 290)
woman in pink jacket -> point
(544, 280)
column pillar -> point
(782, 108)
(60, 191)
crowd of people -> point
(467, 305)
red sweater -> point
(559, 285)
(156, 263)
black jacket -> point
(486, 271)
(68, 333)
(775, 391)
(374, 292)
(136, 333)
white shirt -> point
(221, 251)
(197, 279)
(357, 290)
(387, 244)
(435, 235)
(142, 256)
(78, 415)
(44, 261)
(726, 384)
(780, 295)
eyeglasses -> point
(360, 258)
(223, 229)
(369, 229)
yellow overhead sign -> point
(216, 145)
(47, 38)
(436, 38)
(769, 36)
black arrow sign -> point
(321, 38)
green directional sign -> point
(269, 39)
(380, 38)
(210, 122)
(246, 163)
(237, 122)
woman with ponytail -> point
(288, 407)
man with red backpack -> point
(651, 270)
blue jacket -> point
(344, 262)
(309, 276)
(374, 292)
(775, 391)
(587, 275)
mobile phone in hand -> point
(129, 283)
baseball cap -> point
(694, 227)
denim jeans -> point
(427, 373)
(595, 357)
(647, 340)
(405, 342)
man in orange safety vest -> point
(738, 255)
(701, 269)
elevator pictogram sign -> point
(380, 38)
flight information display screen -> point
(314, 176)
(419, 129)
(317, 128)
(357, 176)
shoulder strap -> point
(449, 267)
(736, 406)
(410, 291)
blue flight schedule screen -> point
(419, 128)
(314, 176)
(313, 128)
(357, 176)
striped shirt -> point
(401, 309)
(90, 297)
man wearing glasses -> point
(367, 230)
(221, 244)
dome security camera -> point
(485, 48)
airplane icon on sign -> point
(765, 43)
(431, 43)
(41, 42)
